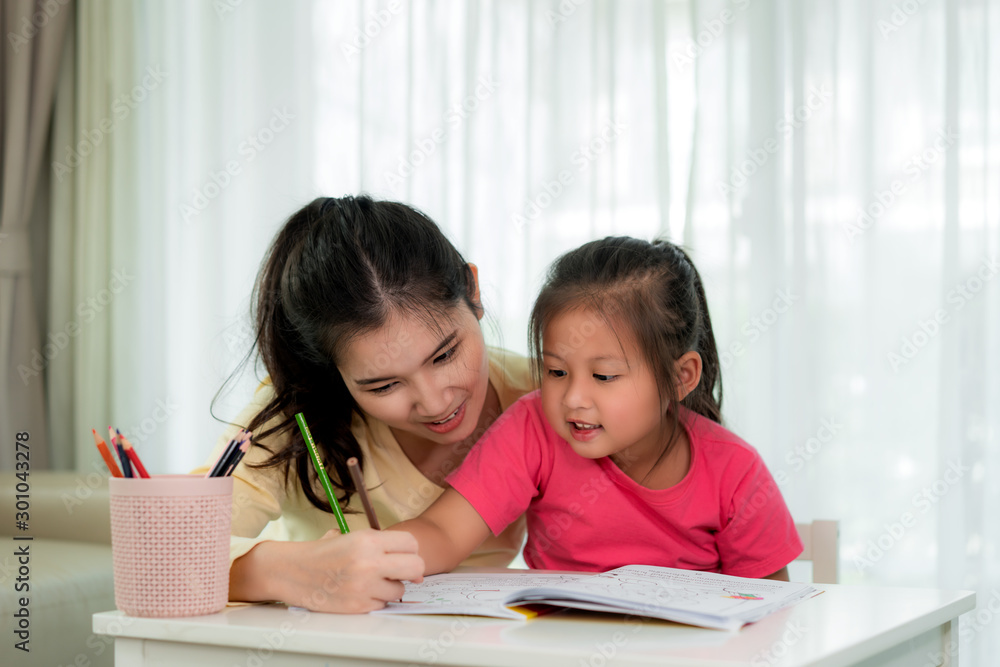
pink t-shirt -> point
(727, 514)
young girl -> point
(367, 321)
(620, 457)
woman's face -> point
(429, 381)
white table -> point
(846, 625)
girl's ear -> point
(475, 291)
(687, 370)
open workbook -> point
(696, 598)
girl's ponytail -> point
(706, 399)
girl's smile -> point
(584, 431)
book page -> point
(649, 589)
(473, 594)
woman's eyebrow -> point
(444, 343)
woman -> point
(367, 322)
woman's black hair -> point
(653, 290)
(337, 269)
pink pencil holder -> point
(170, 544)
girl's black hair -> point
(653, 290)
(337, 269)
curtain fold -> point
(34, 33)
(95, 162)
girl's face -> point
(427, 381)
(597, 391)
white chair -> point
(820, 542)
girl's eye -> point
(446, 355)
(556, 373)
(604, 378)
(383, 389)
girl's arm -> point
(447, 532)
(780, 575)
(348, 574)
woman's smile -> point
(449, 423)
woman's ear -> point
(474, 288)
(687, 370)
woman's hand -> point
(349, 574)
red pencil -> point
(102, 447)
(132, 454)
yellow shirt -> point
(264, 508)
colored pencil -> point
(238, 455)
(109, 460)
(132, 454)
(227, 463)
(324, 479)
(224, 457)
(123, 457)
(359, 484)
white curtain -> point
(833, 166)
(182, 138)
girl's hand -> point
(349, 574)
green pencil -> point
(321, 472)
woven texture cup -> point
(170, 544)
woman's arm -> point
(447, 532)
(350, 574)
